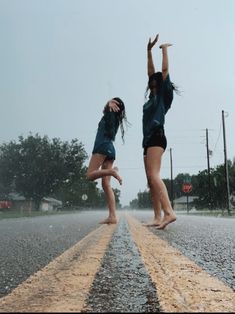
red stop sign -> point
(187, 187)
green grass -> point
(20, 214)
(212, 213)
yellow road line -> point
(182, 286)
(63, 285)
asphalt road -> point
(208, 241)
(28, 244)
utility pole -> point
(172, 192)
(226, 164)
(208, 169)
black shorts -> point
(157, 139)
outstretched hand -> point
(165, 45)
(152, 43)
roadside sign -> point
(84, 197)
(187, 187)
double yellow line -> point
(182, 286)
(64, 284)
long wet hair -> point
(158, 78)
(121, 114)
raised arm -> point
(150, 64)
(165, 62)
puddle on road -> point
(122, 283)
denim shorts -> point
(106, 149)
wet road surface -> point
(209, 241)
(122, 283)
(28, 244)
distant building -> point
(18, 202)
(5, 204)
(50, 204)
(232, 200)
(181, 202)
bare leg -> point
(110, 197)
(94, 172)
(157, 216)
(157, 186)
(155, 201)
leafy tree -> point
(37, 167)
(134, 203)
(200, 185)
(144, 199)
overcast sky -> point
(61, 60)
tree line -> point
(209, 186)
(37, 167)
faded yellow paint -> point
(182, 286)
(63, 285)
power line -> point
(218, 136)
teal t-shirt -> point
(155, 109)
(106, 133)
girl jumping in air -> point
(104, 154)
(154, 140)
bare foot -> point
(116, 175)
(154, 223)
(109, 221)
(166, 221)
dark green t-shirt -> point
(155, 108)
(106, 133)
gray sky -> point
(61, 60)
